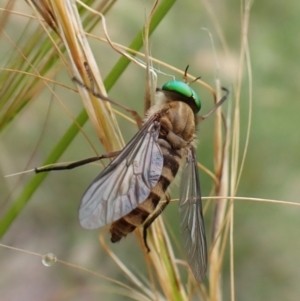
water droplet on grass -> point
(49, 259)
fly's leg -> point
(91, 89)
(218, 104)
(77, 163)
(152, 219)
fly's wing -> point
(191, 217)
(126, 182)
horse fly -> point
(127, 192)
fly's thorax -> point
(180, 120)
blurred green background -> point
(266, 238)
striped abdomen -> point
(175, 133)
(137, 217)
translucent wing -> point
(125, 182)
(191, 217)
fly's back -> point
(177, 131)
(127, 192)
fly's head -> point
(179, 90)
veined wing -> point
(191, 217)
(126, 181)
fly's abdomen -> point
(128, 223)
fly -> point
(127, 193)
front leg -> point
(166, 132)
(176, 141)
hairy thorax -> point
(178, 124)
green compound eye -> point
(184, 90)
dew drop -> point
(49, 259)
